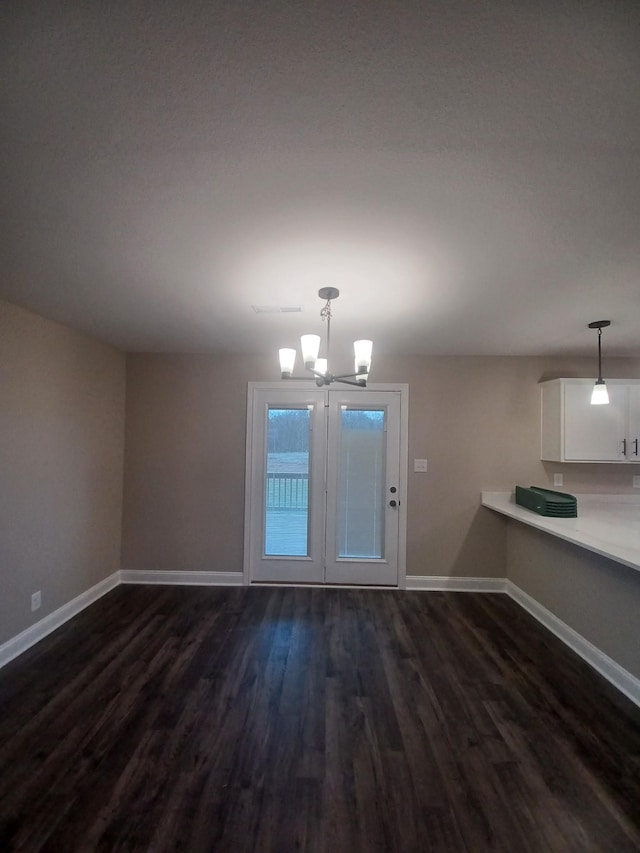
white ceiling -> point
(467, 173)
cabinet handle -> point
(635, 445)
(624, 446)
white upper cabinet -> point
(633, 451)
(575, 431)
(594, 433)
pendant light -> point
(599, 395)
(320, 367)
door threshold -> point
(314, 585)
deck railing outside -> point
(287, 501)
(287, 491)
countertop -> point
(606, 524)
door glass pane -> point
(286, 516)
(361, 483)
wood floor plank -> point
(323, 720)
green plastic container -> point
(547, 502)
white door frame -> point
(281, 385)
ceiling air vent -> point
(277, 309)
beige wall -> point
(184, 461)
(475, 419)
(62, 427)
(597, 597)
(61, 458)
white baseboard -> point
(183, 578)
(602, 663)
(448, 584)
(618, 676)
(29, 637)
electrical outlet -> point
(36, 601)
(636, 482)
(557, 479)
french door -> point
(323, 485)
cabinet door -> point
(633, 437)
(594, 433)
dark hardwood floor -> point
(282, 719)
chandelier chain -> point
(325, 311)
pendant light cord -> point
(600, 355)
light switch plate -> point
(557, 479)
(419, 466)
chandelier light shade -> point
(310, 346)
(287, 362)
(319, 367)
(362, 351)
(599, 395)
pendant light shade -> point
(599, 395)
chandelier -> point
(319, 367)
